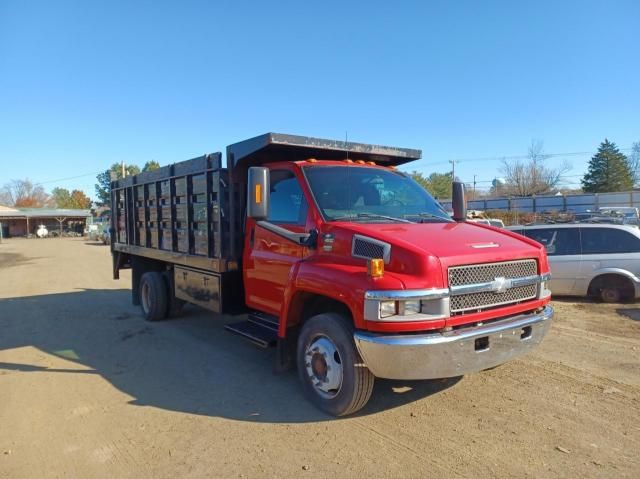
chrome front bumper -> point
(454, 353)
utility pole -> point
(453, 169)
(474, 187)
(124, 172)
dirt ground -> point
(89, 389)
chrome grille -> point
(483, 273)
(486, 273)
(473, 301)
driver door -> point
(268, 257)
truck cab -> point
(353, 271)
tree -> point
(151, 166)
(79, 200)
(532, 176)
(634, 163)
(103, 187)
(438, 184)
(60, 198)
(608, 171)
(23, 194)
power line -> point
(68, 178)
(510, 157)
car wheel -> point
(611, 295)
(333, 374)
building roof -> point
(43, 213)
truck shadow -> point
(190, 364)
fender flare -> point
(635, 282)
(344, 284)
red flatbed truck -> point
(336, 258)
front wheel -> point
(333, 374)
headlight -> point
(387, 308)
(544, 289)
(403, 305)
(411, 307)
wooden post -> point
(61, 220)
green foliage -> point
(608, 171)
(103, 186)
(61, 198)
(151, 166)
(438, 184)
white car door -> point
(563, 251)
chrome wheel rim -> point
(324, 367)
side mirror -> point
(258, 187)
(458, 202)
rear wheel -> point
(611, 295)
(332, 373)
(612, 288)
(153, 296)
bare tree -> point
(531, 176)
(23, 194)
(634, 163)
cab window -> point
(287, 203)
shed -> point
(23, 221)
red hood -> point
(416, 248)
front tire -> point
(333, 374)
(153, 296)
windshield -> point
(371, 195)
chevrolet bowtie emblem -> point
(500, 285)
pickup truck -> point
(329, 253)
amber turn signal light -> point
(258, 193)
(375, 267)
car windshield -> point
(371, 195)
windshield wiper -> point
(423, 216)
(370, 215)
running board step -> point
(258, 329)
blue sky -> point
(85, 84)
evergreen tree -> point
(438, 184)
(103, 187)
(608, 171)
